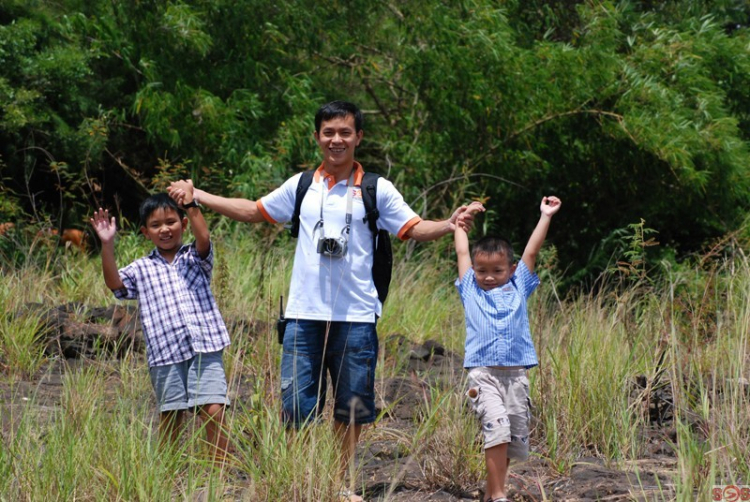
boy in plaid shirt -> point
(185, 334)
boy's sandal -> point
(349, 496)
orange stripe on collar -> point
(331, 182)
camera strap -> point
(349, 204)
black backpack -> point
(382, 262)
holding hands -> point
(475, 207)
(463, 217)
(181, 191)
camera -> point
(334, 247)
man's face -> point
(337, 140)
(492, 270)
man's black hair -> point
(338, 109)
(158, 201)
(493, 245)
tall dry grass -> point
(686, 335)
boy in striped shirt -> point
(184, 331)
(499, 348)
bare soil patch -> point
(78, 337)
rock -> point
(73, 330)
(434, 347)
(401, 397)
(427, 350)
(420, 353)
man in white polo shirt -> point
(333, 304)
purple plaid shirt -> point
(178, 312)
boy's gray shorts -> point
(195, 382)
(500, 398)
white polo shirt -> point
(335, 289)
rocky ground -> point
(76, 334)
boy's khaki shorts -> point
(500, 398)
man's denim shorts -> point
(500, 398)
(195, 382)
(347, 351)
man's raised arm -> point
(429, 230)
(235, 208)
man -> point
(333, 304)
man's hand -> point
(181, 191)
(104, 226)
(464, 215)
(550, 205)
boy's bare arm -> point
(463, 256)
(461, 241)
(237, 209)
(106, 229)
(550, 205)
(196, 219)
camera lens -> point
(331, 247)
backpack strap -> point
(304, 183)
(382, 260)
(369, 198)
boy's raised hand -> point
(104, 226)
(550, 205)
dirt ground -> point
(382, 461)
(389, 474)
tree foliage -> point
(626, 110)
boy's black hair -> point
(338, 109)
(493, 245)
(158, 201)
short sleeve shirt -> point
(497, 322)
(335, 289)
(177, 309)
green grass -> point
(97, 439)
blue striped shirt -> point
(497, 322)
(177, 309)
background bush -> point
(626, 110)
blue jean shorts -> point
(314, 350)
(198, 381)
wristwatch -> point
(192, 203)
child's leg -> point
(207, 391)
(171, 398)
(170, 423)
(213, 415)
(489, 398)
(497, 461)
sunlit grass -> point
(97, 440)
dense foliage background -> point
(628, 111)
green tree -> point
(627, 110)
